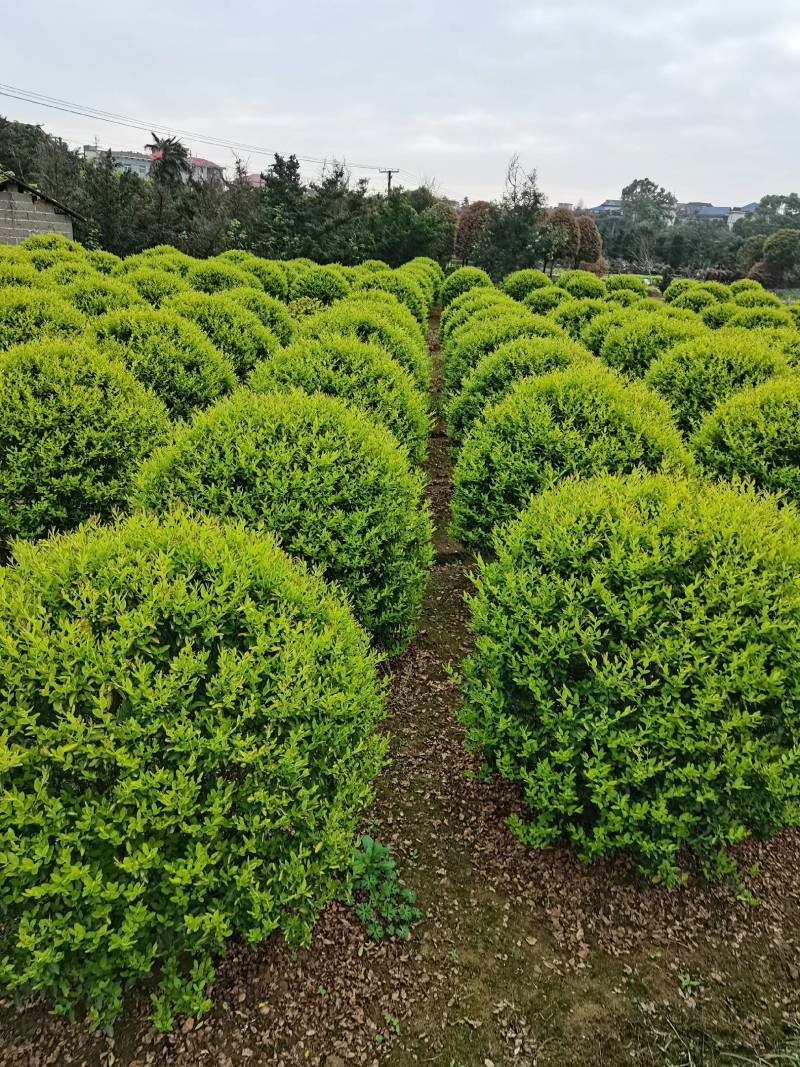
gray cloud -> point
(702, 97)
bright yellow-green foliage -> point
(478, 336)
(756, 435)
(367, 321)
(696, 375)
(762, 317)
(169, 354)
(74, 427)
(360, 373)
(31, 314)
(639, 339)
(95, 294)
(630, 282)
(578, 421)
(390, 307)
(188, 744)
(270, 311)
(215, 275)
(546, 299)
(492, 378)
(520, 283)
(235, 331)
(461, 280)
(574, 315)
(581, 283)
(333, 485)
(637, 669)
(326, 284)
(405, 288)
(267, 273)
(467, 305)
(155, 285)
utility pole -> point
(388, 171)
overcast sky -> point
(702, 96)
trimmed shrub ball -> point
(473, 341)
(270, 312)
(677, 287)
(390, 307)
(168, 353)
(695, 300)
(494, 376)
(639, 339)
(637, 669)
(404, 288)
(762, 317)
(103, 262)
(717, 315)
(326, 284)
(756, 435)
(235, 331)
(581, 284)
(267, 273)
(215, 276)
(461, 280)
(33, 314)
(189, 723)
(626, 282)
(463, 307)
(366, 321)
(363, 374)
(743, 284)
(521, 282)
(577, 421)
(74, 427)
(697, 375)
(574, 315)
(333, 485)
(95, 294)
(540, 301)
(752, 298)
(155, 285)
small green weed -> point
(383, 903)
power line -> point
(55, 103)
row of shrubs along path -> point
(521, 957)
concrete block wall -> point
(22, 214)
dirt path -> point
(521, 957)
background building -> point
(24, 210)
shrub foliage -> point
(578, 421)
(334, 486)
(638, 669)
(187, 744)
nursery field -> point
(398, 668)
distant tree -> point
(675, 249)
(508, 241)
(281, 221)
(775, 212)
(782, 255)
(750, 252)
(242, 208)
(471, 224)
(205, 215)
(590, 248)
(645, 202)
(172, 163)
(559, 239)
(113, 203)
(337, 214)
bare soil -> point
(521, 957)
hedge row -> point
(636, 624)
(188, 700)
